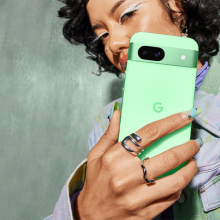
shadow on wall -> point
(115, 89)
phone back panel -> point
(154, 90)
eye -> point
(126, 16)
(123, 18)
(102, 38)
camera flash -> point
(183, 57)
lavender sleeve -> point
(201, 75)
(72, 200)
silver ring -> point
(138, 139)
(133, 137)
(145, 172)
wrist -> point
(76, 209)
(84, 211)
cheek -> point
(113, 59)
(110, 56)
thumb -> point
(110, 136)
(113, 128)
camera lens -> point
(157, 54)
(151, 53)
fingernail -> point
(191, 113)
(199, 142)
(115, 106)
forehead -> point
(98, 8)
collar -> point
(201, 75)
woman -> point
(111, 184)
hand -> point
(114, 186)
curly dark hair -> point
(203, 22)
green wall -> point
(48, 100)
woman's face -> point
(115, 21)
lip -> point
(123, 61)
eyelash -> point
(129, 14)
(132, 13)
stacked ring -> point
(134, 137)
(145, 172)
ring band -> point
(145, 172)
(133, 137)
(138, 139)
(128, 148)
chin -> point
(122, 70)
(119, 67)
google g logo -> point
(157, 107)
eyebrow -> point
(114, 8)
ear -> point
(175, 5)
(178, 11)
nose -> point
(117, 41)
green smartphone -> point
(159, 81)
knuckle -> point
(143, 213)
(194, 167)
(175, 120)
(107, 160)
(179, 183)
(117, 186)
(91, 154)
(131, 206)
(171, 159)
(176, 195)
(151, 213)
(151, 131)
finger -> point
(155, 130)
(159, 164)
(146, 194)
(172, 158)
(157, 207)
(171, 184)
(109, 138)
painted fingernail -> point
(115, 106)
(191, 113)
(199, 142)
